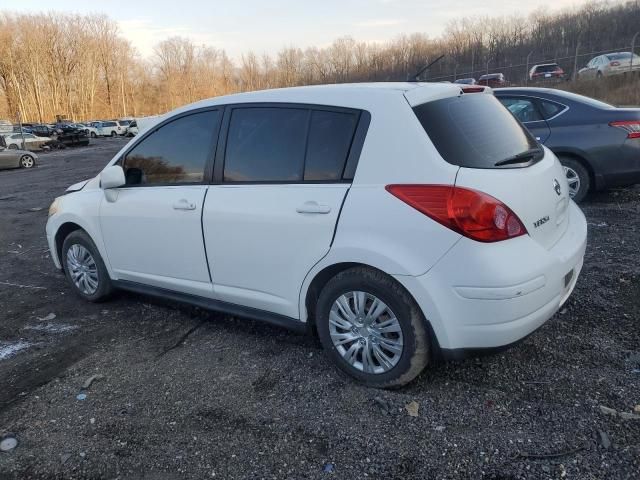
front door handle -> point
(313, 207)
(184, 204)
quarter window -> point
(177, 152)
(550, 109)
(330, 137)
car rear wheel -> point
(577, 178)
(113, 133)
(93, 135)
(371, 328)
(13, 146)
(84, 268)
(27, 161)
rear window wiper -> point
(523, 157)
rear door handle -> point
(184, 204)
(313, 207)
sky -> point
(265, 26)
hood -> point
(76, 187)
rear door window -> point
(266, 145)
(524, 109)
(475, 130)
(288, 145)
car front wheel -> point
(577, 178)
(371, 328)
(84, 268)
(113, 133)
(27, 161)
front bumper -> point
(53, 251)
(482, 296)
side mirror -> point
(112, 177)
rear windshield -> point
(474, 130)
(619, 56)
(546, 68)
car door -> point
(273, 213)
(152, 232)
(527, 111)
(8, 159)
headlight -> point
(55, 206)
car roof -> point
(353, 95)
(545, 64)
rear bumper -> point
(485, 296)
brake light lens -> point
(472, 89)
(632, 127)
(471, 213)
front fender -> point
(80, 208)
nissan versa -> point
(403, 221)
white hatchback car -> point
(405, 222)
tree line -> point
(82, 67)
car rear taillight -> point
(471, 213)
(632, 127)
(472, 89)
(614, 64)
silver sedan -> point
(10, 158)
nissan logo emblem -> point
(556, 186)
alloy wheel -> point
(365, 332)
(573, 179)
(82, 269)
(26, 161)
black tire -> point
(415, 351)
(27, 161)
(104, 288)
(599, 75)
(13, 146)
(93, 135)
(113, 134)
(572, 167)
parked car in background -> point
(6, 126)
(32, 142)
(466, 81)
(597, 144)
(71, 136)
(132, 129)
(493, 80)
(16, 158)
(41, 130)
(90, 129)
(610, 64)
(468, 241)
(109, 128)
(546, 71)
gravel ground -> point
(184, 393)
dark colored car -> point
(493, 80)
(546, 71)
(68, 136)
(597, 143)
(41, 130)
(466, 81)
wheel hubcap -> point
(82, 269)
(573, 179)
(365, 332)
(27, 161)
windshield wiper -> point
(523, 157)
